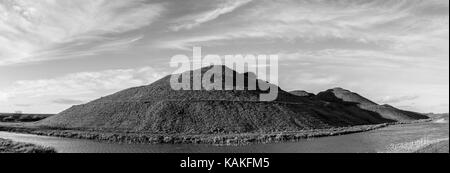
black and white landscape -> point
(355, 76)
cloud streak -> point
(81, 84)
(67, 101)
(30, 29)
(398, 24)
(379, 48)
(225, 7)
(398, 99)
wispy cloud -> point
(67, 101)
(315, 79)
(379, 48)
(52, 95)
(23, 105)
(364, 59)
(30, 29)
(69, 50)
(397, 99)
(83, 84)
(223, 7)
(399, 25)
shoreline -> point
(212, 139)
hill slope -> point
(302, 93)
(157, 108)
(339, 95)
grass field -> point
(440, 147)
(424, 145)
(8, 146)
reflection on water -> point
(369, 142)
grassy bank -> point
(423, 145)
(440, 147)
(216, 139)
(8, 146)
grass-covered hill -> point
(158, 109)
(339, 95)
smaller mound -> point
(343, 96)
(438, 116)
(302, 93)
(340, 94)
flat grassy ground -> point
(440, 147)
(8, 146)
(430, 137)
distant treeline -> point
(19, 117)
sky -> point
(59, 53)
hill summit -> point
(158, 109)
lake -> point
(367, 142)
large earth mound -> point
(339, 95)
(157, 108)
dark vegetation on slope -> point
(157, 109)
(339, 95)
